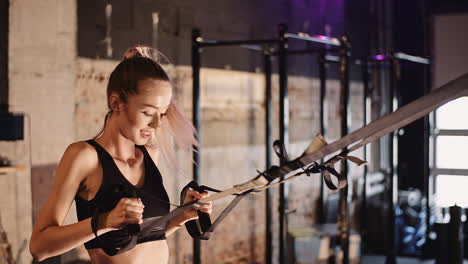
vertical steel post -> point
(343, 221)
(365, 80)
(268, 146)
(283, 127)
(391, 253)
(196, 118)
(323, 125)
(427, 132)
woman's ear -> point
(115, 103)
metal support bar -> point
(212, 43)
(365, 80)
(427, 138)
(336, 59)
(391, 250)
(308, 51)
(440, 171)
(253, 47)
(411, 58)
(317, 39)
(284, 137)
(268, 152)
(196, 118)
(451, 132)
(323, 124)
(399, 56)
(343, 221)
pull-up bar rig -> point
(342, 46)
(392, 61)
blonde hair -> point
(140, 63)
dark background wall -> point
(411, 35)
(229, 19)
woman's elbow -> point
(36, 251)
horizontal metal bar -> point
(404, 56)
(306, 51)
(399, 56)
(459, 172)
(450, 132)
(210, 43)
(331, 58)
(316, 39)
(336, 59)
(253, 47)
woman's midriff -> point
(154, 252)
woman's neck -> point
(116, 144)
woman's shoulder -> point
(77, 162)
(80, 148)
(80, 153)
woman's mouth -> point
(145, 134)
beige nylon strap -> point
(318, 149)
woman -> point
(137, 129)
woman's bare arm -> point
(49, 237)
(175, 224)
(191, 214)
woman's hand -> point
(127, 211)
(192, 195)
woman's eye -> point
(146, 114)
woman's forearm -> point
(56, 240)
(175, 223)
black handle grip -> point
(126, 192)
(196, 228)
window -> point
(449, 161)
(451, 189)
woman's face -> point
(145, 111)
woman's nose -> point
(156, 122)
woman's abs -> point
(155, 252)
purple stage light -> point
(321, 37)
(380, 57)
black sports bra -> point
(152, 194)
